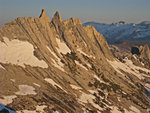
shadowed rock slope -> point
(60, 66)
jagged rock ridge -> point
(61, 66)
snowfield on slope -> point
(62, 47)
(19, 53)
(128, 67)
(7, 99)
(26, 90)
(88, 98)
(57, 64)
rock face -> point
(145, 52)
(61, 66)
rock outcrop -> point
(145, 52)
(61, 66)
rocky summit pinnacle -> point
(57, 17)
(60, 66)
(44, 16)
(43, 13)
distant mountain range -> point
(120, 31)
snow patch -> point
(84, 110)
(52, 52)
(13, 80)
(7, 99)
(115, 110)
(57, 64)
(39, 109)
(77, 62)
(88, 98)
(75, 87)
(134, 57)
(132, 110)
(88, 65)
(85, 43)
(62, 47)
(118, 99)
(93, 91)
(26, 111)
(2, 67)
(147, 85)
(53, 83)
(36, 84)
(55, 112)
(128, 67)
(26, 90)
(96, 77)
(19, 53)
(79, 49)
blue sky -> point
(106, 11)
